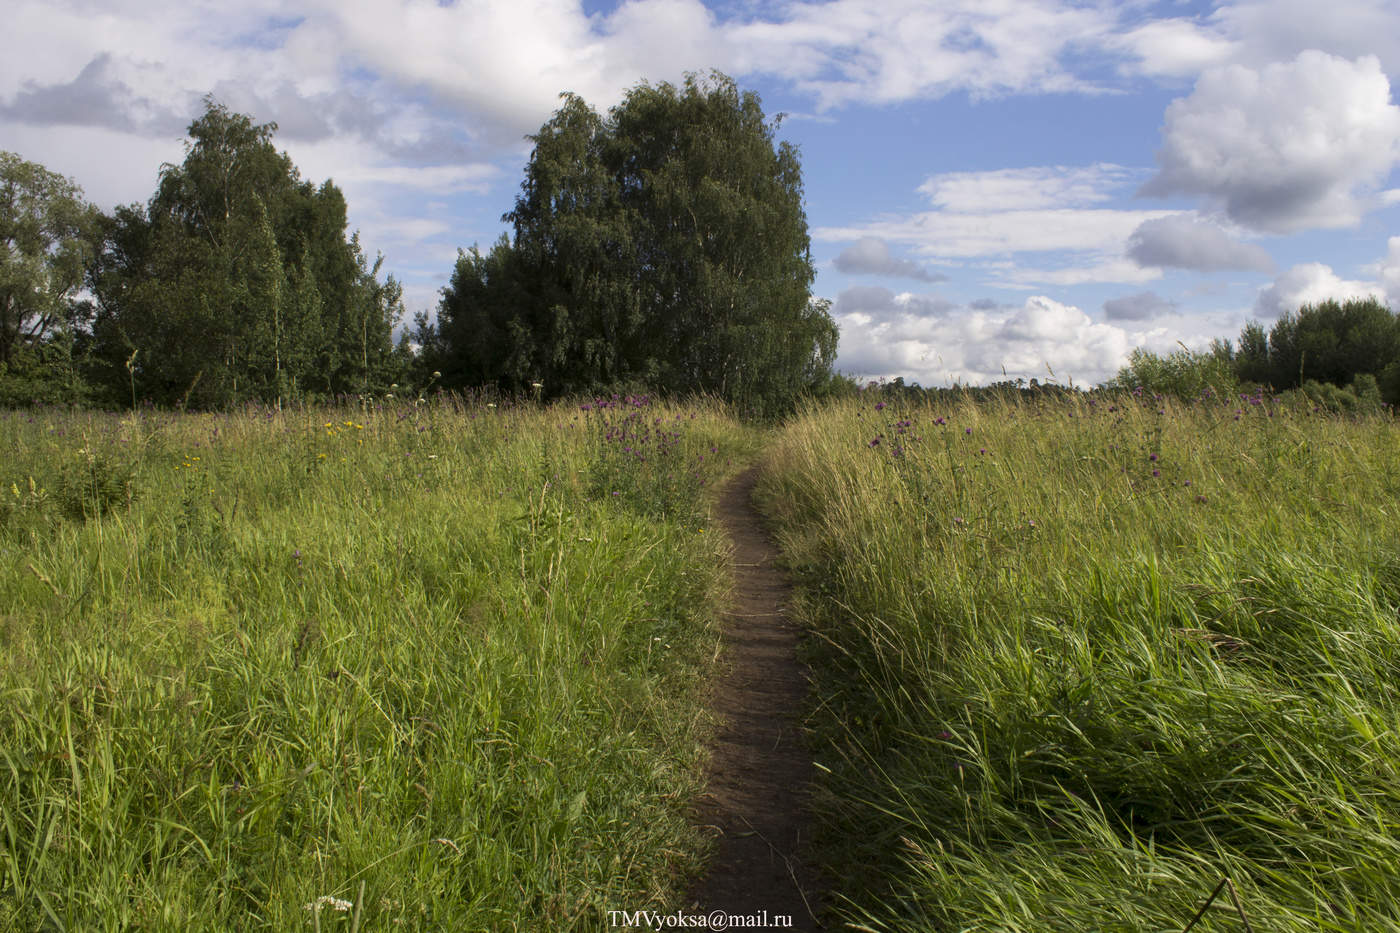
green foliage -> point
(1329, 342)
(1361, 397)
(1183, 374)
(236, 282)
(94, 482)
(665, 245)
(48, 235)
(23, 506)
(44, 372)
(483, 335)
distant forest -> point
(662, 247)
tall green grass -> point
(1079, 662)
(425, 666)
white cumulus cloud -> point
(1309, 283)
(900, 336)
(1176, 47)
(1287, 147)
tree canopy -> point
(48, 237)
(236, 280)
(665, 245)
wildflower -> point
(879, 406)
(968, 431)
(1156, 472)
(436, 374)
(537, 385)
(326, 900)
(1152, 457)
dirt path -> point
(759, 769)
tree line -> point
(663, 247)
(1342, 354)
(234, 282)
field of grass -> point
(430, 666)
(1077, 663)
(441, 665)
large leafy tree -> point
(666, 244)
(48, 235)
(236, 281)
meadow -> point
(1076, 663)
(441, 664)
(425, 664)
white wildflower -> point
(326, 900)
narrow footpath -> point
(760, 770)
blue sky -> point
(993, 186)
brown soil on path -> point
(760, 770)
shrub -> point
(94, 483)
(1184, 374)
